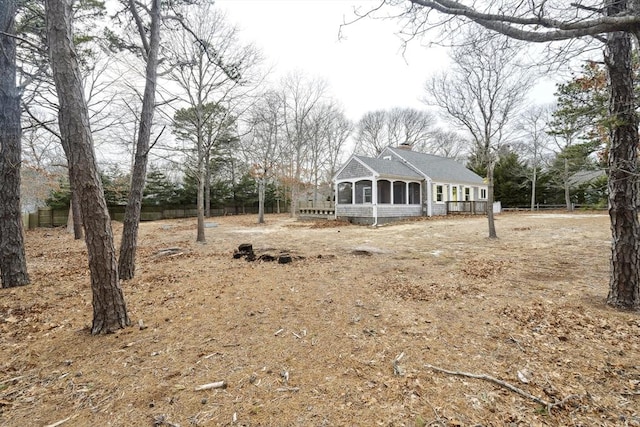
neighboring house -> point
(589, 187)
(401, 183)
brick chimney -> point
(405, 146)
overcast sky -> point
(366, 68)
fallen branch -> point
(291, 389)
(59, 423)
(217, 384)
(12, 379)
(496, 381)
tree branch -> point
(494, 380)
(560, 30)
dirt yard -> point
(344, 335)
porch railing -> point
(468, 207)
(316, 209)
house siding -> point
(350, 211)
(439, 209)
(354, 170)
(394, 211)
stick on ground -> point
(489, 378)
(217, 384)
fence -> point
(541, 207)
(47, 217)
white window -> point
(438, 195)
(467, 194)
(366, 194)
(483, 193)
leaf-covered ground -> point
(341, 336)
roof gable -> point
(354, 168)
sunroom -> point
(375, 191)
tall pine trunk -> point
(624, 285)
(76, 214)
(109, 309)
(13, 264)
(129, 242)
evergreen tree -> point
(512, 184)
(159, 190)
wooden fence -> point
(47, 217)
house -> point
(589, 187)
(401, 183)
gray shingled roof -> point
(389, 167)
(438, 168)
(586, 176)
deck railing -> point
(316, 209)
(469, 207)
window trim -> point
(439, 193)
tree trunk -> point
(261, 190)
(490, 219)
(624, 284)
(109, 309)
(76, 214)
(567, 192)
(207, 184)
(128, 245)
(74, 219)
(200, 237)
(13, 263)
(533, 183)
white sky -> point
(366, 69)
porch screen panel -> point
(344, 193)
(399, 193)
(363, 192)
(384, 191)
(414, 193)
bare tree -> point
(614, 23)
(482, 92)
(263, 144)
(13, 264)
(301, 95)
(41, 108)
(447, 143)
(214, 72)
(109, 309)
(410, 126)
(534, 125)
(338, 131)
(328, 131)
(370, 133)
(377, 130)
